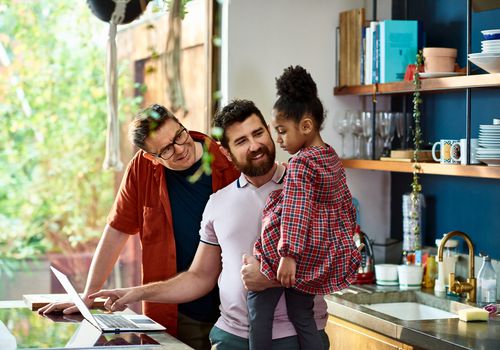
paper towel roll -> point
(7, 340)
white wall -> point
(262, 38)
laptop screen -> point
(75, 297)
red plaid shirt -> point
(312, 220)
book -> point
(369, 55)
(376, 54)
(398, 48)
(362, 56)
(350, 26)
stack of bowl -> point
(489, 57)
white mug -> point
(445, 154)
(458, 151)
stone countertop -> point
(167, 342)
(443, 334)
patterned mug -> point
(459, 151)
(445, 154)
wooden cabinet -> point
(345, 335)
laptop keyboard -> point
(114, 321)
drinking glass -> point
(366, 121)
(399, 120)
(341, 125)
(385, 128)
(357, 132)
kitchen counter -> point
(34, 331)
(443, 334)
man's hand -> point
(118, 299)
(251, 276)
(66, 307)
(286, 271)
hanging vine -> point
(416, 187)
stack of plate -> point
(489, 57)
(490, 46)
(489, 144)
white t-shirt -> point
(232, 220)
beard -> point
(249, 169)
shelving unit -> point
(481, 171)
(428, 85)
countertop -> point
(25, 323)
(443, 334)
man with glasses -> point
(157, 200)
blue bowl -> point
(491, 36)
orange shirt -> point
(142, 206)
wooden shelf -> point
(481, 171)
(435, 84)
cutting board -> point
(36, 301)
(407, 156)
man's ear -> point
(150, 157)
(225, 152)
(306, 125)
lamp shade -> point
(103, 9)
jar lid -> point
(451, 243)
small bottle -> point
(486, 282)
(430, 272)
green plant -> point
(54, 195)
(416, 187)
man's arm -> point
(107, 252)
(187, 286)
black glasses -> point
(168, 151)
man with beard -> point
(231, 224)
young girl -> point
(306, 241)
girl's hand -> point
(286, 271)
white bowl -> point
(386, 274)
(410, 276)
(486, 61)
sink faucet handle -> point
(451, 282)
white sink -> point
(411, 311)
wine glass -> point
(385, 128)
(357, 132)
(399, 120)
(341, 125)
(366, 122)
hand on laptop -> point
(118, 299)
(64, 307)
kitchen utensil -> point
(365, 273)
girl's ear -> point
(306, 125)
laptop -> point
(107, 322)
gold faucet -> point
(468, 287)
